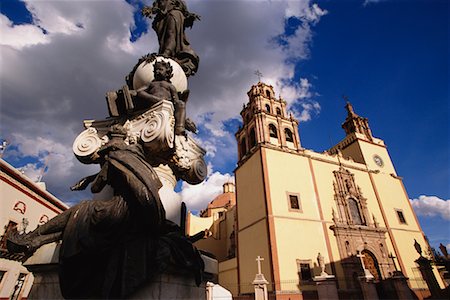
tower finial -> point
(348, 106)
(259, 74)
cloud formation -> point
(198, 196)
(431, 206)
(57, 69)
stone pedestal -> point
(46, 282)
(172, 284)
(368, 287)
(426, 270)
(400, 283)
(326, 287)
(215, 291)
(44, 266)
(260, 284)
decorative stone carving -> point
(86, 145)
(154, 129)
(354, 229)
(189, 160)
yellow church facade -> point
(293, 203)
(347, 203)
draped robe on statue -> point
(110, 247)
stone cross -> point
(361, 258)
(259, 74)
(391, 256)
(367, 273)
(259, 259)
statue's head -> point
(162, 70)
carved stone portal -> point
(356, 232)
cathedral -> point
(346, 205)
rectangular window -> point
(305, 272)
(304, 269)
(294, 202)
(401, 217)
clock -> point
(378, 160)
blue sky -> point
(389, 57)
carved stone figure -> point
(171, 19)
(162, 89)
(321, 262)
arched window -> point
(278, 111)
(354, 212)
(268, 93)
(288, 134)
(268, 108)
(273, 131)
(243, 147)
(252, 138)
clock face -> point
(378, 160)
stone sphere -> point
(144, 75)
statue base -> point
(326, 286)
(171, 284)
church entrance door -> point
(371, 263)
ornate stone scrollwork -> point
(86, 145)
(189, 161)
(155, 127)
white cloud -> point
(367, 2)
(19, 36)
(431, 206)
(198, 196)
(301, 94)
(32, 171)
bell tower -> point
(361, 146)
(266, 121)
(354, 123)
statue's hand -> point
(190, 19)
(149, 11)
(190, 126)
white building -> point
(25, 205)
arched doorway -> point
(371, 264)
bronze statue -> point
(171, 19)
(116, 243)
(111, 247)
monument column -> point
(260, 283)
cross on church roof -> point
(259, 74)
(259, 259)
